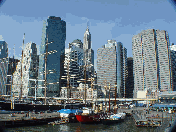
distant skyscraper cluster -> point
(69, 72)
(73, 67)
(78, 68)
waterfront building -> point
(151, 61)
(111, 67)
(53, 48)
(89, 54)
(173, 65)
(167, 97)
(73, 66)
(3, 66)
(130, 78)
(26, 80)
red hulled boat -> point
(88, 116)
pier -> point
(26, 119)
(139, 114)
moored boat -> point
(69, 113)
(113, 118)
(148, 123)
(88, 116)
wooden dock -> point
(23, 120)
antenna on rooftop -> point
(87, 24)
(14, 51)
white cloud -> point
(84, 18)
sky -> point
(109, 19)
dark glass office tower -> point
(53, 43)
(3, 66)
(130, 78)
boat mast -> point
(21, 69)
(105, 94)
(85, 82)
(115, 97)
(46, 46)
(92, 79)
(13, 101)
(109, 97)
(12, 80)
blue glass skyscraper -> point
(53, 42)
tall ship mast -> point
(21, 89)
(46, 44)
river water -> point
(127, 126)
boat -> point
(69, 113)
(88, 116)
(113, 118)
(148, 123)
(110, 119)
(122, 115)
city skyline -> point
(104, 24)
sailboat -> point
(87, 115)
(111, 118)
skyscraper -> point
(124, 73)
(73, 66)
(151, 67)
(173, 65)
(89, 54)
(3, 66)
(41, 62)
(29, 64)
(111, 67)
(130, 78)
(53, 44)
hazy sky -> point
(109, 19)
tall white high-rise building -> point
(28, 79)
(73, 66)
(151, 61)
